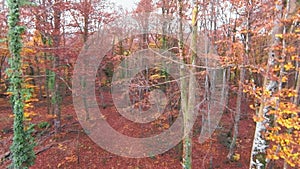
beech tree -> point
(276, 110)
(257, 42)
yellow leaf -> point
(152, 45)
(290, 94)
(61, 147)
(71, 159)
(26, 115)
(30, 86)
(156, 76)
(278, 36)
(28, 119)
(29, 114)
(34, 99)
(252, 107)
(258, 118)
(274, 157)
(8, 93)
(236, 157)
(28, 106)
(166, 126)
(28, 79)
(289, 66)
(276, 68)
(294, 57)
(284, 79)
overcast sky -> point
(126, 4)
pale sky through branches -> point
(126, 4)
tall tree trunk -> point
(86, 20)
(186, 158)
(56, 92)
(85, 38)
(258, 153)
(22, 148)
(237, 114)
(164, 26)
(291, 8)
(187, 89)
(45, 37)
(295, 101)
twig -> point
(45, 148)
(4, 156)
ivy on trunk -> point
(22, 148)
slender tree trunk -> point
(164, 26)
(86, 19)
(258, 158)
(56, 92)
(39, 83)
(47, 91)
(85, 38)
(295, 101)
(237, 115)
(186, 158)
(291, 7)
(188, 89)
(1, 66)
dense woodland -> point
(242, 59)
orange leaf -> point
(258, 118)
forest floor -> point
(72, 148)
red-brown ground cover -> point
(72, 148)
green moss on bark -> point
(22, 148)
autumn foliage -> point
(255, 42)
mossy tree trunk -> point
(22, 147)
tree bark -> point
(23, 144)
(56, 92)
(237, 114)
(188, 87)
(186, 157)
(258, 158)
